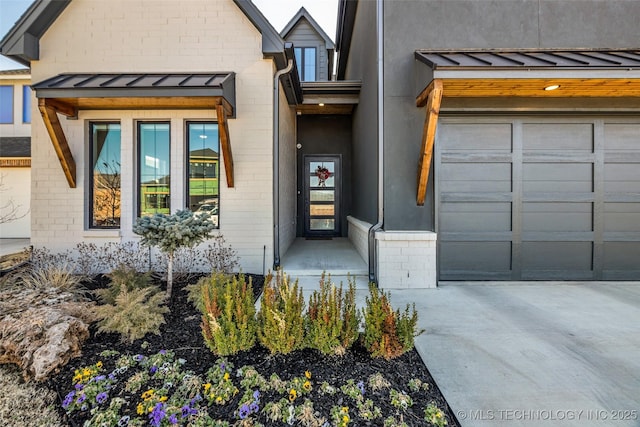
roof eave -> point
(22, 41)
(303, 13)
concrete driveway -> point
(533, 354)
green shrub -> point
(134, 313)
(228, 313)
(332, 319)
(123, 277)
(387, 333)
(280, 320)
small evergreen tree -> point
(170, 232)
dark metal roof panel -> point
(527, 58)
(15, 146)
(122, 81)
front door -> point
(322, 196)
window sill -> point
(101, 233)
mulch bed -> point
(182, 334)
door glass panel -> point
(330, 166)
(314, 181)
(322, 210)
(322, 224)
(322, 195)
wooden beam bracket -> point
(432, 97)
(58, 139)
(225, 143)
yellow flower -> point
(292, 395)
(150, 409)
(345, 409)
(219, 399)
(438, 414)
(307, 385)
(99, 365)
(345, 419)
(147, 394)
(163, 399)
(86, 372)
(140, 409)
(206, 386)
(307, 374)
(226, 376)
(77, 378)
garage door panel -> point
(622, 137)
(560, 256)
(557, 137)
(480, 217)
(562, 177)
(622, 177)
(470, 137)
(557, 217)
(481, 177)
(622, 217)
(621, 256)
(475, 256)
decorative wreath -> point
(322, 173)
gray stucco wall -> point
(445, 24)
(303, 35)
(362, 66)
(324, 134)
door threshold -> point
(318, 238)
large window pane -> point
(154, 162)
(26, 104)
(6, 104)
(306, 62)
(105, 174)
(203, 169)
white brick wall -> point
(158, 36)
(406, 259)
(288, 184)
(358, 233)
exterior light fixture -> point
(321, 104)
(552, 87)
(203, 136)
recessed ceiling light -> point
(552, 87)
(321, 105)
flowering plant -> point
(323, 174)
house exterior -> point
(15, 152)
(466, 167)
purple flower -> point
(173, 419)
(138, 357)
(101, 397)
(254, 408)
(256, 395)
(153, 369)
(185, 411)
(163, 352)
(68, 399)
(112, 377)
(82, 398)
(157, 415)
(361, 387)
(222, 366)
(79, 387)
(100, 378)
(244, 411)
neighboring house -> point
(15, 152)
(468, 162)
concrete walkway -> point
(12, 246)
(552, 354)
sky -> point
(278, 12)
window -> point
(203, 168)
(154, 180)
(26, 104)
(6, 104)
(306, 60)
(104, 150)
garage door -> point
(538, 198)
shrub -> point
(170, 232)
(332, 319)
(228, 313)
(387, 333)
(133, 307)
(53, 278)
(219, 256)
(280, 320)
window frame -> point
(187, 176)
(301, 65)
(138, 191)
(90, 175)
(12, 105)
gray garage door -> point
(538, 198)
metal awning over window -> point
(517, 73)
(68, 93)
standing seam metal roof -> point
(530, 58)
(131, 80)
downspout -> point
(373, 256)
(276, 162)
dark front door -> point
(322, 179)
